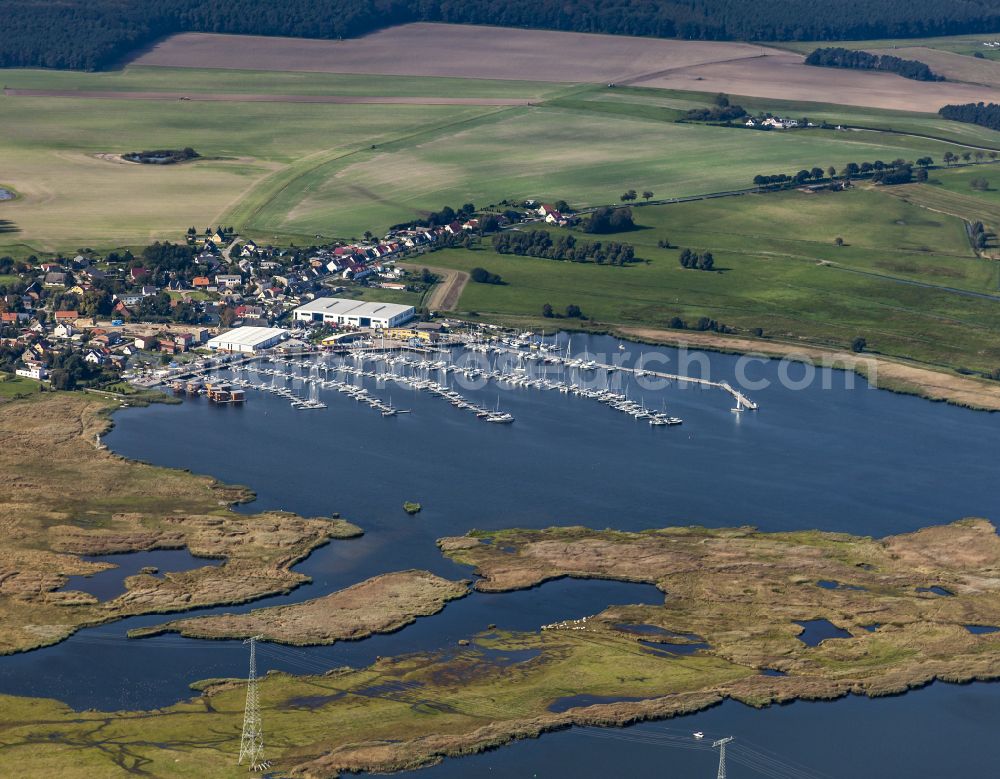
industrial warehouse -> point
(247, 339)
(354, 313)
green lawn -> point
(778, 270)
(13, 386)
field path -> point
(222, 97)
(446, 293)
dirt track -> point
(215, 97)
(446, 293)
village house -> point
(146, 343)
(55, 279)
(95, 356)
(167, 345)
(33, 371)
(228, 280)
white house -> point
(37, 372)
(228, 280)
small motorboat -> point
(698, 734)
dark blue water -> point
(855, 460)
(101, 668)
(829, 584)
(815, 631)
(110, 583)
(935, 590)
(941, 731)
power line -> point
(252, 741)
(721, 744)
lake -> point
(857, 460)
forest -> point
(863, 60)
(985, 114)
(97, 34)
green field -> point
(778, 269)
(292, 172)
(957, 44)
(12, 386)
(585, 157)
(138, 78)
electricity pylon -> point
(252, 742)
(721, 744)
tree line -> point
(984, 114)
(538, 243)
(93, 34)
(837, 57)
(899, 171)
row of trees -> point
(539, 243)
(838, 57)
(689, 259)
(704, 323)
(573, 311)
(631, 195)
(91, 34)
(984, 114)
(951, 158)
(896, 172)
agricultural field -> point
(71, 197)
(283, 170)
(901, 280)
(550, 152)
(320, 175)
(957, 44)
(460, 51)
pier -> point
(412, 367)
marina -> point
(523, 362)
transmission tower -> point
(721, 744)
(252, 742)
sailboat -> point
(500, 418)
